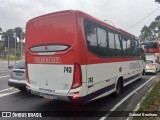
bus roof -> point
(84, 15)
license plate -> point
(46, 96)
(19, 75)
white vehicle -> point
(152, 63)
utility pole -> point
(8, 52)
(22, 42)
(15, 49)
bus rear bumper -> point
(69, 97)
(49, 96)
(57, 97)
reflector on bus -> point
(49, 48)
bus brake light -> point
(77, 77)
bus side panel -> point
(102, 77)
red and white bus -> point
(152, 50)
(151, 46)
(75, 57)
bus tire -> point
(118, 88)
(156, 72)
(142, 74)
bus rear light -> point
(76, 95)
(77, 76)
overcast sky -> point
(123, 13)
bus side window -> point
(128, 47)
(111, 44)
(91, 35)
(102, 42)
(133, 47)
(124, 43)
(137, 47)
(118, 45)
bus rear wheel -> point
(118, 88)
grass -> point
(10, 58)
(151, 103)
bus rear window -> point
(149, 45)
(49, 48)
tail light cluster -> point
(77, 76)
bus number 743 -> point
(67, 69)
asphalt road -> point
(12, 99)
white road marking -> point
(5, 94)
(103, 118)
(4, 76)
(6, 89)
(124, 99)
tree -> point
(157, 1)
(158, 26)
(0, 30)
(157, 18)
(153, 25)
(9, 33)
(145, 33)
(153, 28)
(152, 32)
(19, 33)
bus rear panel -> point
(52, 68)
